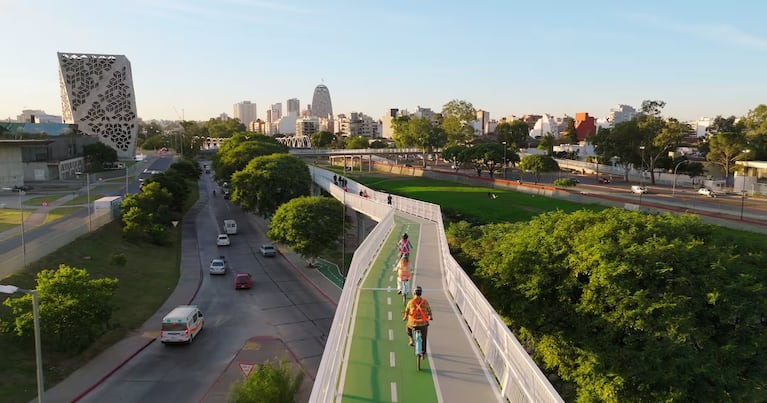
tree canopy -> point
(456, 116)
(98, 154)
(627, 306)
(308, 225)
(538, 164)
(269, 181)
(515, 133)
(241, 148)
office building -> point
(246, 112)
(294, 107)
(321, 106)
(623, 113)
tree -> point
(239, 150)
(217, 127)
(572, 133)
(98, 154)
(172, 181)
(486, 155)
(458, 155)
(514, 133)
(418, 132)
(269, 181)
(74, 308)
(693, 170)
(321, 139)
(601, 297)
(548, 141)
(755, 124)
(147, 215)
(308, 225)
(537, 164)
(187, 168)
(268, 383)
(356, 142)
(456, 116)
(725, 148)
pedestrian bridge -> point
(472, 355)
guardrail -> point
(519, 379)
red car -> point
(243, 280)
(602, 179)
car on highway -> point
(223, 240)
(22, 188)
(268, 250)
(707, 192)
(638, 189)
(242, 281)
(603, 179)
(217, 266)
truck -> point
(111, 203)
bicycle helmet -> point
(404, 236)
(418, 291)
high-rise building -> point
(246, 112)
(294, 107)
(623, 113)
(321, 106)
(358, 124)
(97, 95)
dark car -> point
(243, 280)
(602, 179)
(226, 194)
(22, 188)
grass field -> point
(38, 201)
(61, 212)
(150, 275)
(472, 201)
(11, 218)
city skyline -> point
(508, 59)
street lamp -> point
(742, 202)
(21, 213)
(88, 179)
(641, 171)
(673, 188)
(11, 289)
(126, 180)
(504, 159)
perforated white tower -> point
(97, 95)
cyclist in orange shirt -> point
(418, 314)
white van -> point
(638, 189)
(182, 324)
(230, 227)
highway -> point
(280, 304)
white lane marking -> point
(391, 359)
(391, 334)
(389, 315)
(391, 278)
(394, 392)
(388, 300)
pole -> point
(90, 223)
(641, 171)
(126, 179)
(504, 160)
(742, 202)
(673, 188)
(23, 244)
(38, 348)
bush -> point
(118, 259)
(565, 182)
(269, 384)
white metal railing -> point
(519, 378)
(363, 151)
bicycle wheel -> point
(418, 362)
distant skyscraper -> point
(97, 95)
(276, 111)
(623, 113)
(321, 106)
(246, 112)
(294, 106)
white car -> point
(223, 240)
(217, 266)
(268, 250)
(707, 192)
(638, 189)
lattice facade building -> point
(97, 95)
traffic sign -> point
(246, 368)
(45, 204)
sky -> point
(194, 59)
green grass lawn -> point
(145, 282)
(472, 201)
(60, 212)
(83, 199)
(11, 218)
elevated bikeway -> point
(471, 354)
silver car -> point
(268, 250)
(217, 266)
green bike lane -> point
(381, 366)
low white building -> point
(545, 125)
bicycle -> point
(417, 342)
(405, 289)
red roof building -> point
(585, 125)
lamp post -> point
(21, 213)
(126, 180)
(673, 188)
(742, 202)
(11, 289)
(641, 171)
(504, 159)
(88, 179)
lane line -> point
(394, 392)
(388, 300)
(391, 334)
(391, 359)
(389, 315)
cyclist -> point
(404, 246)
(214, 192)
(418, 314)
(403, 274)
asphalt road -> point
(281, 304)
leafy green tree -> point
(75, 309)
(755, 123)
(548, 141)
(217, 127)
(515, 133)
(725, 148)
(602, 297)
(172, 181)
(269, 181)
(572, 133)
(155, 143)
(189, 169)
(321, 139)
(98, 154)
(268, 383)
(486, 155)
(147, 215)
(418, 132)
(693, 170)
(308, 225)
(239, 150)
(538, 164)
(356, 143)
(456, 116)
(458, 155)
(379, 144)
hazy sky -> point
(198, 57)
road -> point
(281, 304)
